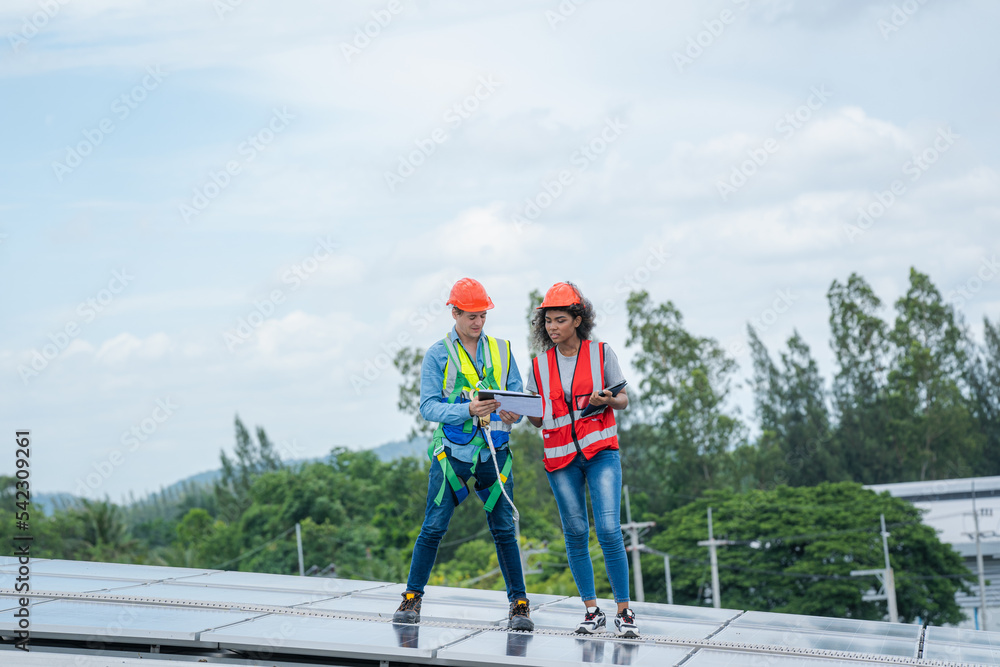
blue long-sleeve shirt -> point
(435, 408)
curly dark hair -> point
(585, 310)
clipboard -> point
(518, 402)
(592, 409)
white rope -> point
(489, 439)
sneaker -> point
(594, 622)
(409, 609)
(625, 624)
(519, 618)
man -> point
(454, 369)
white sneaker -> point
(595, 621)
(625, 624)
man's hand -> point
(482, 409)
(509, 417)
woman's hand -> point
(619, 402)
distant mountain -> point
(49, 502)
(415, 447)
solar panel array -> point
(111, 613)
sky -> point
(222, 207)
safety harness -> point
(465, 379)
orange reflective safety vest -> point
(565, 433)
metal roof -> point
(114, 614)
(941, 488)
(947, 507)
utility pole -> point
(890, 577)
(979, 561)
(711, 543)
(885, 576)
(517, 538)
(526, 552)
(298, 542)
(634, 546)
(666, 570)
(670, 586)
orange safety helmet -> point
(469, 295)
(561, 295)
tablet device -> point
(522, 403)
(591, 409)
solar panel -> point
(431, 610)
(962, 645)
(173, 591)
(717, 658)
(123, 623)
(281, 582)
(646, 610)
(496, 647)
(16, 658)
(817, 640)
(334, 637)
(312, 618)
(763, 619)
(562, 619)
(79, 568)
(10, 562)
(42, 582)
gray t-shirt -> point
(567, 367)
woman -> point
(580, 451)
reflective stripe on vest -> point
(563, 429)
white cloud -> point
(126, 347)
(400, 251)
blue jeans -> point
(603, 474)
(437, 518)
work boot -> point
(519, 617)
(409, 608)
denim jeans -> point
(437, 518)
(603, 475)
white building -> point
(948, 509)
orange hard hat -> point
(470, 295)
(561, 295)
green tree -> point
(679, 436)
(105, 533)
(983, 377)
(938, 436)
(535, 298)
(232, 490)
(870, 449)
(791, 406)
(795, 548)
(409, 361)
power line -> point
(254, 550)
(473, 580)
(464, 539)
(811, 536)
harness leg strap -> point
(450, 478)
(497, 489)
